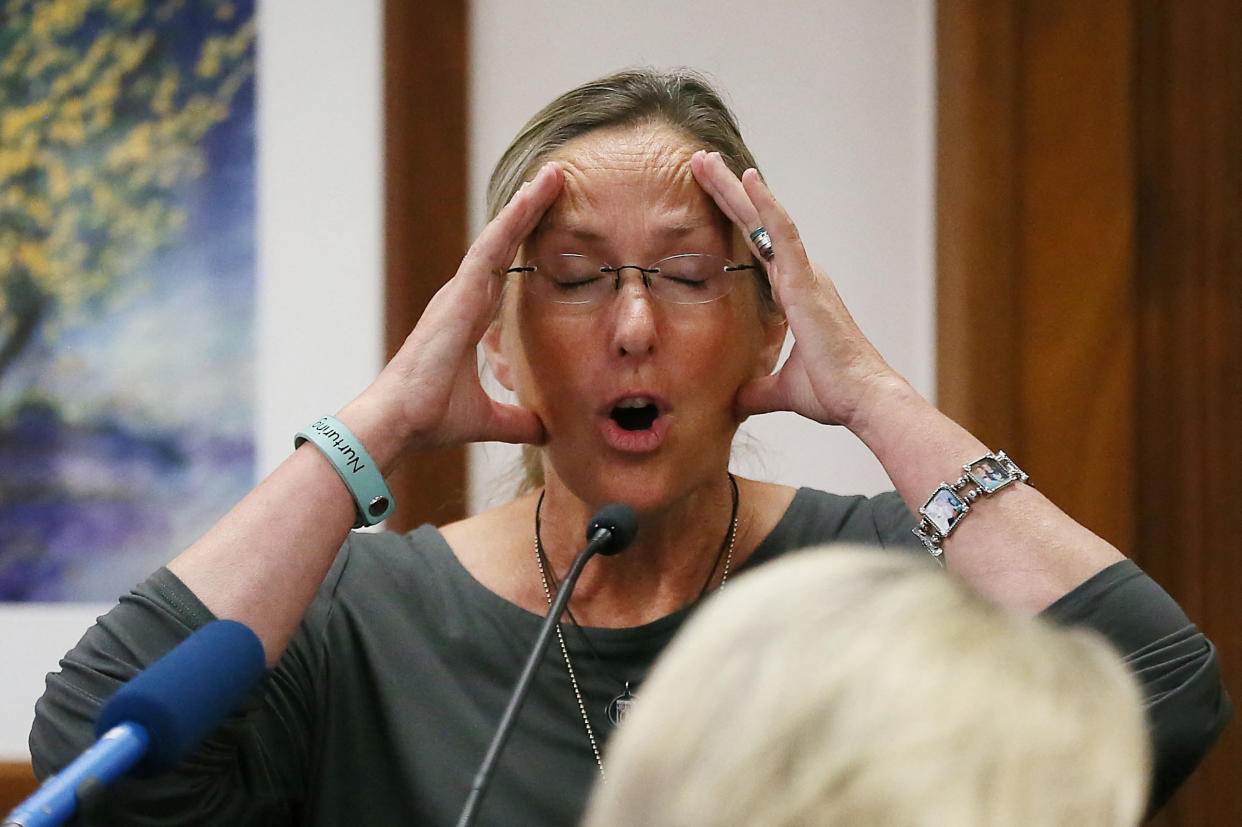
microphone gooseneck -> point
(609, 532)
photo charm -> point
(993, 472)
(947, 505)
(944, 509)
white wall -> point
(834, 96)
(836, 100)
(319, 337)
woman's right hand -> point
(263, 562)
(429, 395)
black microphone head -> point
(621, 522)
(184, 695)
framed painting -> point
(127, 286)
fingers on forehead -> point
(500, 238)
(725, 189)
(758, 193)
(774, 218)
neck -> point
(675, 556)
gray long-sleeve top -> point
(382, 706)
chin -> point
(647, 485)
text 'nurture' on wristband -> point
(372, 498)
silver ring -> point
(762, 242)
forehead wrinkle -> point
(642, 173)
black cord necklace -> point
(619, 706)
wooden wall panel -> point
(978, 222)
(1075, 258)
(425, 220)
(17, 782)
(1034, 238)
(1090, 190)
(1189, 287)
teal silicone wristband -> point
(372, 497)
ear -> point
(494, 351)
(774, 330)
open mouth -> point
(635, 414)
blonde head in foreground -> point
(854, 687)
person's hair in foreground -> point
(852, 687)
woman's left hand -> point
(1021, 551)
(833, 371)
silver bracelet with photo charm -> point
(951, 502)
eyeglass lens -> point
(574, 279)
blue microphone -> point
(153, 721)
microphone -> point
(621, 524)
(153, 721)
(610, 531)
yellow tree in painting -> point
(103, 105)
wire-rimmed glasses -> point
(584, 283)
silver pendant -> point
(619, 707)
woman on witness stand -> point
(633, 288)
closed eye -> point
(573, 284)
(696, 282)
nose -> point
(634, 320)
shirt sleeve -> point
(1177, 667)
(816, 517)
(250, 771)
(1175, 664)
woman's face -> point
(636, 395)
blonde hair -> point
(853, 687)
(682, 99)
